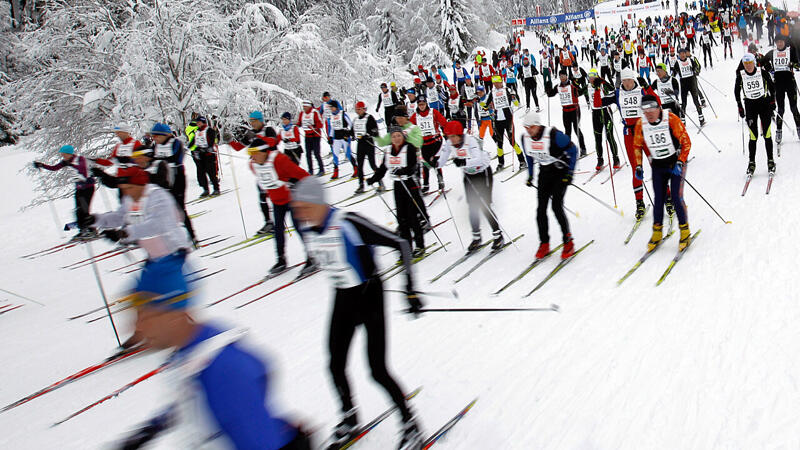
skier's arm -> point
(444, 154)
(565, 145)
(372, 126)
(380, 100)
(549, 89)
(372, 234)
(528, 160)
(638, 142)
(288, 170)
(737, 88)
(61, 164)
(111, 219)
(235, 386)
(413, 136)
(159, 217)
(678, 131)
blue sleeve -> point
(330, 130)
(564, 143)
(444, 77)
(528, 159)
(235, 385)
(177, 151)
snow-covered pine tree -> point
(455, 36)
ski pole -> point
(615, 211)
(708, 100)
(552, 307)
(424, 217)
(55, 218)
(451, 294)
(707, 203)
(380, 196)
(102, 291)
(474, 189)
(458, 233)
(21, 296)
(238, 197)
(700, 130)
(742, 133)
(712, 85)
(610, 168)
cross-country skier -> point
(365, 128)
(662, 135)
(344, 244)
(430, 122)
(339, 126)
(474, 163)
(568, 93)
(219, 385)
(556, 155)
(310, 120)
(274, 171)
(202, 144)
(783, 61)
(290, 136)
(389, 100)
(668, 89)
(759, 103)
(401, 163)
(529, 73)
(78, 168)
(501, 100)
(687, 68)
(171, 150)
(599, 90)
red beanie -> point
(132, 175)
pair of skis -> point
(750, 177)
(649, 253)
(426, 444)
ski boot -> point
(702, 121)
(426, 188)
(521, 159)
(770, 166)
(205, 194)
(279, 266)
(345, 431)
(475, 244)
(544, 249)
(778, 135)
(640, 208)
(528, 109)
(616, 163)
(321, 173)
(501, 163)
(381, 187)
(411, 437)
(87, 234)
(751, 167)
(569, 247)
(310, 267)
(600, 164)
(418, 252)
(656, 237)
(538, 109)
(359, 189)
(355, 171)
(216, 193)
(583, 153)
(268, 228)
(686, 236)
(335, 173)
(497, 244)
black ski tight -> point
(601, 120)
(551, 189)
(312, 151)
(707, 53)
(429, 152)
(753, 111)
(206, 163)
(788, 89)
(530, 88)
(572, 120)
(407, 211)
(689, 85)
(365, 149)
(361, 305)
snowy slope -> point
(703, 361)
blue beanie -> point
(161, 128)
(68, 149)
(257, 115)
(286, 115)
(163, 284)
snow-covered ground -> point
(703, 361)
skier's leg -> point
(343, 323)
(559, 190)
(541, 210)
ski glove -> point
(460, 162)
(115, 235)
(330, 141)
(677, 170)
(639, 173)
(741, 111)
(567, 178)
(414, 304)
(37, 165)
